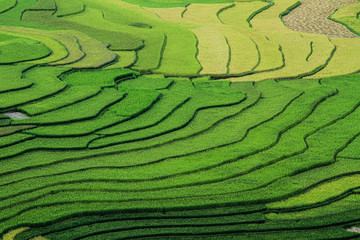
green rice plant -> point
(72, 46)
(67, 7)
(162, 109)
(208, 78)
(13, 139)
(11, 78)
(277, 169)
(83, 110)
(243, 232)
(200, 124)
(247, 227)
(203, 96)
(37, 158)
(126, 59)
(140, 157)
(93, 22)
(256, 51)
(96, 53)
(117, 40)
(43, 5)
(148, 57)
(213, 51)
(345, 49)
(7, 5)
(58, 51)
(243, 57)
(179, 56)
(135, 103)
(317, 156)
(79, 128)
(182, 216)
(349, 203)
(251, 218)
(205, 14)
(5, 37)
(12, 15)
(168, 103)
(62, 143)
(156, 226)
(174, 61)
(8, 130)
(45, 84)
(170, 4)
(180, 179)
(271, 55)
(21, 50)
(279, 224)
(53, 143)
(65, 38)
(146, 83)
(43, 143)
(109, 153)
(228, 155)
(275, 94)
(68, 97)
(348, 15)
(177, 38)
(350, 10)
(294, 46)
(351, 151)
(225, 231)
(97, 78)
(240, 13)
(5, 122)
(327, 220)
(321, 193)
(340, 113)
(296, 65)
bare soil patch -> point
(354, 229)
(16, 115)
(312, 17)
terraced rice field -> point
(182, 119)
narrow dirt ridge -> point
(311, 16)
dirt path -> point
(311, 16)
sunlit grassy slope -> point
(171, 37)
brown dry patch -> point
(311, 16)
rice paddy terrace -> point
(181, 119)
